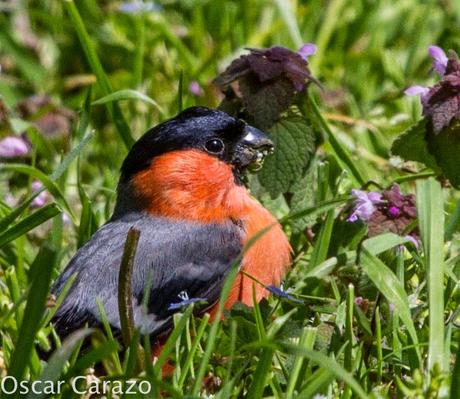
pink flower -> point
(195, 88)
(364, 205)
(42, 198)
(13, 146)
(413, 240)
(439, 59)
(394, 211)
(307, 50)
(418, 90)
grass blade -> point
(342, 153)
(29, 223)
(58, 359)
(15, 213)
(88, 47)
(50, 185)
(33, 313)
(220, 309)
(287, 15)
(128, 94)
(455, 384)
(307, 340)
(321, 248)
(70, 157)
(316, 210)
(431, 224)
(261, 374)
(329, 364)
(193, 349)
(386, 281)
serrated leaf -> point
(445, 147)
(412, 145)
(442, 102)
(294, 140)
(268, 80)
(303, 197)
(266, 101)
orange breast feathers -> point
(191, 185)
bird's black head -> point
(214, 132)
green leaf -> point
(303, 197)
(412, 145)
(53, 370)
(455, 385)
(261, 374)
(321, 248)
(328, 363)
(50, 185)
(287, 13)
(343, 155)
(70, 157)
(431, 223)
(294, 140)
(445, 146)
(33, 313)
(265, 102)
(318, 381)
(128, 94)
(316, 210)
(15, 213)
(386, 281)
(29, 66)
(93, 60)
(29, 223)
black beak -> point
(252, 149)
(256, 139)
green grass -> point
(123, 73)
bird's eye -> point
(214, 146)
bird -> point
(182, 186)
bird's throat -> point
(190, 185)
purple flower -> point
(281, 293)
(10, 200)
(136, 7)
(195, 89)
(359, 300)
(66, 219)
(418, 90)
(441, 102)
(413, 240)
(13, 146)
(439, 59)
(388, 211)
(185, 301)
(364, 205)
(394, 211)
(307, 50)
(42, 198)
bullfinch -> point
(181, 186)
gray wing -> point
(172, 257)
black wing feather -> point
(172, 257)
